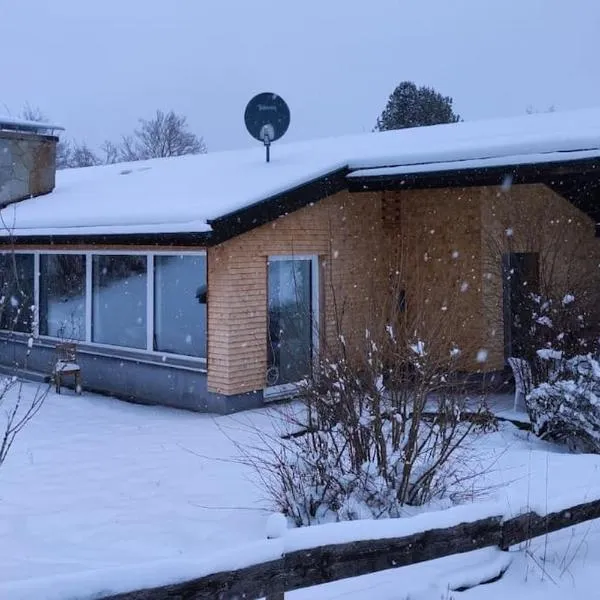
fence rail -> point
(326, 564)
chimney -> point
(27, 159)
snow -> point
(555, 567)
(457, 164)
(276, 526)
(348, 531)
(549, 354)
(482, 355)
(99, 495)
(14, 123)
(184, 194)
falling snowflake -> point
(507, 183)
(482, 356)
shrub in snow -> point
(366, 449)
(567, 408)
(552, 331)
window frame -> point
(34, 304)
(149, 349)
(272, 393)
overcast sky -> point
(95, 66)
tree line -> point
(165, 134)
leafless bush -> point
(375, 435)
(18, 404)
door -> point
(520, 280)
(292, 337)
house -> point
(212, 282)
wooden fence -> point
(326, 564)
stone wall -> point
(27, 165)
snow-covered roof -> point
(183, 194)
(14, 124)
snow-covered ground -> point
(97, 493)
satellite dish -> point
(267, 118)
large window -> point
(180, 304)
(119, 300)
(17, 292)
(62, 296)
(154, 302)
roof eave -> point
(235, 223)
(477, 176)
(202, 239)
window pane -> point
(16, 292)
(62, 296)
(180, 305)
(119, 300)
(290, 321)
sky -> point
(97, 66)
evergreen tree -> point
(410, 106)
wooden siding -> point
(441, 237)
(363, 260)
(345, 231)
(533, 218)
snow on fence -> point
(323, 554)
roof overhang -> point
(269, 209)
(194, 240)
(578, 180)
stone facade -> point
(27, 165)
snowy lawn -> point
(95, 487)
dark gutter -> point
(278, 205)
(125, 239)
(479, 176)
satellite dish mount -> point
(267, 118)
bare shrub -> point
(18, 405)
(374, 436)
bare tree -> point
(64, 148)
(83, 156)
(127, 150)
(166, 134)
(33, 113)
(64, 153)
(110, 152)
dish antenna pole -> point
(267, 133)
(267, 118)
